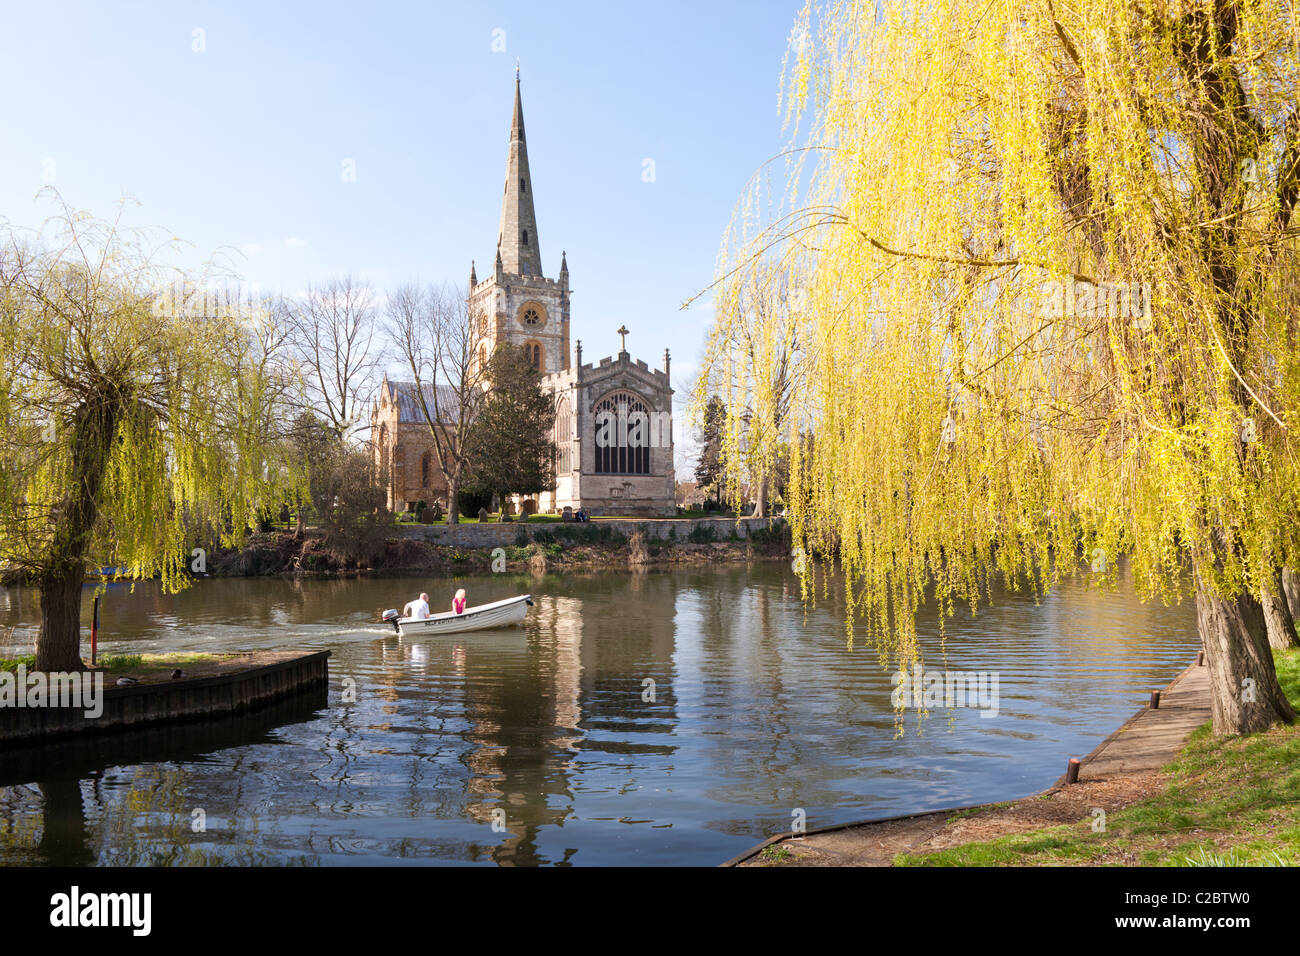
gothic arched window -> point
(563, 437)
(426, 467)
(525, 237)
(531, 318)
(622, 442)
(534, 352)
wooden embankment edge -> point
(143, 705)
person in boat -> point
(458, 602)
(417, 609)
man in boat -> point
(417, 609)
(458, 602)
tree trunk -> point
(1291, 589)
(760, 499)
(1277, 614)
(1245, 694)
(58, 646)
(453, 498)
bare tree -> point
(432, 330)
(332, 330)
(752, 362)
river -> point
(664, 717)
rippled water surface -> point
(541, 746)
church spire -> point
(517, 241)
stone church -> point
(613, 417)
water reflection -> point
(545, 745)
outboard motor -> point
(391, 616)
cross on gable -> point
(622, 330)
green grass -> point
(119, 662)
(776, 853)
(1230, 802)
(153, 666)
(114, 662)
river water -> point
(673, 717)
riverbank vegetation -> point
(561, 547)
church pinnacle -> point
(517, 240)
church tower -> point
(516, 303)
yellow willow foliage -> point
(87, 321)
(1045, 303)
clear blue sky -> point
(242, 145)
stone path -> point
(1154, 737)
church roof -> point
(405, 395)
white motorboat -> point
(485, 617)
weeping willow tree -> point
(1048, 252)
(137, 412)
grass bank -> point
(145, 668)
(1225, 802)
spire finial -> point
(622, 330)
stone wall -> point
(495, 535)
